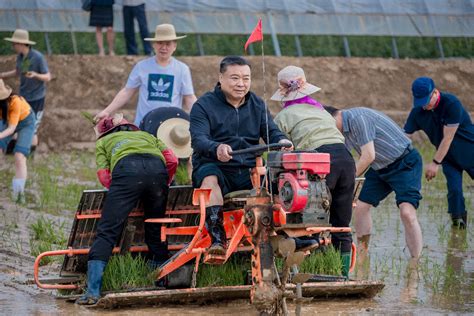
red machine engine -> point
(301, 185)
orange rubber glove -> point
(104, 177)
(171, 163)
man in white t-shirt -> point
(161, 80)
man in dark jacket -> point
(226, 119)
(448, 126)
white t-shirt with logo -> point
(159, 86)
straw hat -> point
(106, 124)
(5, 90)
(20, 36)
(164, 32)
(293, 85)
(174, 132)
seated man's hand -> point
(286, 141)
(223, 151)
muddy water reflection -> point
(442, 281)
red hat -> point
(108, 123)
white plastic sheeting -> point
(440, 18)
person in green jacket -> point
(134, 165)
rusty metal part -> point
(264, 294)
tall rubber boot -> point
(346, 264)
(95, 271)
(215, 228)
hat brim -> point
(421, 102)
(13, 40)
(307, 90)
(163, 134)
(164, 39)
(6, 93)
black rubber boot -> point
(460, 222)
(215, 228)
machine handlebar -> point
(260, 149)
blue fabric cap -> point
(421, 89)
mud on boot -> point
(215, 228)
(95, 271)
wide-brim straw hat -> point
(5, 90)
(174, 132)
(107, 124)
(293, 85)
(163, 33)
(20, 36)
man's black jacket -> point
(214, 121)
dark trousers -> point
(341, 182)
(453, 174)
(129, 14)
(135, 177)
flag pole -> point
(270, 187)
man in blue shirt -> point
(32, 68)
(448, 126)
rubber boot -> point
(215, 228)
(18, 190)
(460, 222)
(346, 264)
(95, 271)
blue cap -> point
(421, 89)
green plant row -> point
(323, 45)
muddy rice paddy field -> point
(442, 282)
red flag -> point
(256, 35)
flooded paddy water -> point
(441, 282)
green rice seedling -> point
(442, 232)
(451, 280)
(323, 262)
(46, 235)
(127, 272)
(181, 177)
(49, 231)
(233, 272)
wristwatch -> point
(436, 161)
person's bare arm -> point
(443, 148)
(122, 97)
(34, 75)
(8, 131)
(188, 101)
(8, 74)
(367, 156)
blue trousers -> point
(25, 130)
(453, 173)
(129, 14)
